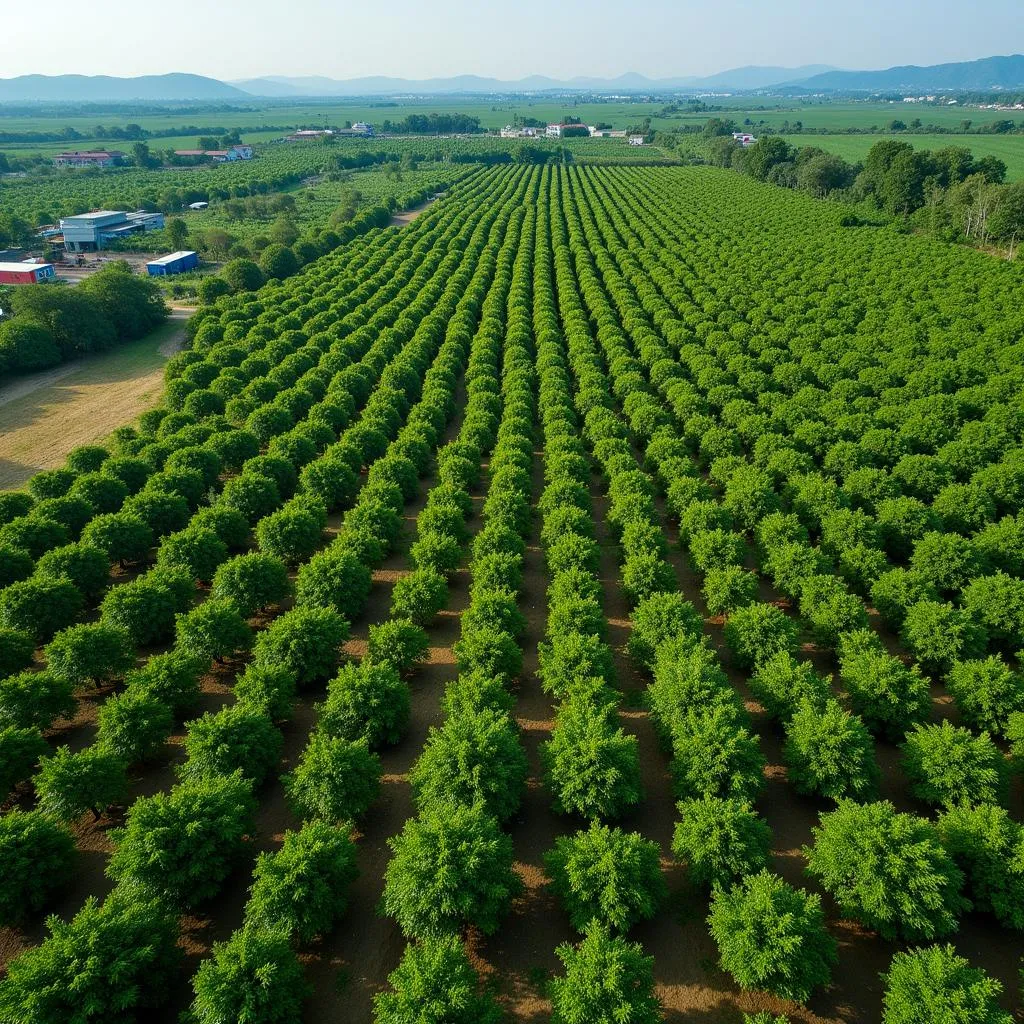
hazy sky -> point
(561, 38)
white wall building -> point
(89, 232)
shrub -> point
(771, 936)
(16, 564)
(830, 609)
(591, 766)
(34, 700)
(729, 588)
(720, 840)
(608, 875)
(474, 758)
(251, 494)
(947, 560)
(252, 581)
(108, 963)
(334, 780)
(888, 696)
(20, 750)
(35, 534)
(122, 536)
(89, 653)
(368, 701)
(986, 692)
(238, 737)
(435, 982)
(85, 566)
(332, 481)
(644, 574)
(715, 755)
(939, 634)
(16, 650)
(172, 678)
(782, 684)
(69, 784)
(268, 689)
(491, 650)
(997, 602)
(661, 617)
(337, 579)
(419, 596)
(38, 858)
(303, 886)
(397, 643)
(435, 550)
(948, 765)
(134, 724)
(144, 608)
(607, 979)
(182, 844)
(894, 592)
(753, 634)
(830, 753)
(306, 641)
(935, 984)
(450, 866)
(40, 606)
(887, 870)
(255, 977)
(988, 845)
(292, 533)
(213, 630)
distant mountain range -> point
(101, 88)
(973, 76)
(990, 73)
(738, 78)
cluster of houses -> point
(218, 156)
(360, 130)
(114, 157)
(558, 131)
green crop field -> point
(600, 597)
(1008, 148)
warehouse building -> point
(90, 232)
(26, 272)
(175, 263)
(105, 158)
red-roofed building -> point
(102, 158)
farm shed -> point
(25, 273)
(175, 263)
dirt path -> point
(400, 220)
(44, 416)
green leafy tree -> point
(144, 608)
(489, 649)
(399, 644)
(40, 606)
(69, 784)
(243, 275)
(87, 567)
(435, 983)
(89, 653)
(771, 936)
(214, 630)
(335, 578)
(172, 678)
(16, 650)
(196, 550)
(714, 754)
(20, 750)
(238, 737)
(122, 536)
(291, 534)
(303, 886)
(887, 870)
(255, 976)
(948, 765)
(252, 581)
(182, 845)
(104, 964)
(782, 685)
(661, 617)
(987, 692)
(607, 980)
(720, 840)
(451, 866)
(368, 701)
(37, 859)
(420, 595)
(591, 766)
(939, 634)
(306, 641)
(935, 984)
(608, 875)
(988, 845)
(134, 724)
(755, 633)
(34, 700)
(334, 780)
(830, 753)
(475, 757)
(269, 689)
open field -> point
(44, 416)
(1008, 148)
(645, 513)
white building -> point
(362, 128)
(636, 140)
(90, 232)
(553, 131)
(744, 138)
